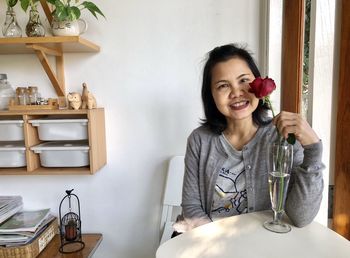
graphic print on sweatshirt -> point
(230, 197)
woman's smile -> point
(239, 105)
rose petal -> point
(262, 87)
(255, 86)
(268, 86)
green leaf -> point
(73, 13)
(60, 12)
(11, 3)
(59, 4)
(92, 8)
(25, 4)
(291, 138)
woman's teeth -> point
(239, 104)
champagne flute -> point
(280, 160)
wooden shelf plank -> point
(68, 44)
(48, 112)
(46, 171)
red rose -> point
(262, 87)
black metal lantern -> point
(70, 224)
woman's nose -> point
(235, 91)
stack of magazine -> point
(9, 205)
(24, 226)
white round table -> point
(244, 236)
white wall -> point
(147, 76)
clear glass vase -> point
(34, 26)
(11, 28)
(279, 162)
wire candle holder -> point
(70, 225)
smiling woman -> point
(215, 119)
(225, 164)
(230, 89)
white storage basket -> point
(63, 154)
(11, 130)
(61, 129)
(12, 154)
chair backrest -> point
(172, 195)
(173, 188)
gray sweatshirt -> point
(205, 155)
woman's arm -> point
(306, 185)
(306, 182)
(191, 198)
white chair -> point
(172, 196)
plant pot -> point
(11, 28)
(68, 28)
(34, 27)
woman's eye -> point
(245, 80)
(222, 86)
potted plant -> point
(34, 28)
(11, 28)
(66, 16)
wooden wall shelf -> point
(96, 140)
(54, 46)
(27, 45)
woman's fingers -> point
(287, 122)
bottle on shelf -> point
(22, 96)
(33, 95)
(34, 26)
(11, 28)
(6, 92)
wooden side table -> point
(92, 241)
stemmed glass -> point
(279, 162)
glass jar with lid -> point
(22, 96)
(6, 92)
(33, 95)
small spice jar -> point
(33, 95)
(22, 96)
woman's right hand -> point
(288, 122)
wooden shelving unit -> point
(56, 47)
(53, 46)
(96, 140)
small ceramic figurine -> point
(88, 99)
(74, 100)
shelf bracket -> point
(49, 51)
(57, 79)
(47, 10)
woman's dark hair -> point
(213, 118)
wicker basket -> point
(33, 249)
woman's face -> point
(230, 89)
